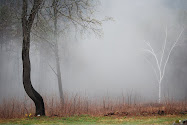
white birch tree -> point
(160, 67)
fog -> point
(112, 64)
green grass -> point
(86, 119)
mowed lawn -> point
(86, 119)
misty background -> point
(108, 65)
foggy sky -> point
(115, 62)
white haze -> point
(113, 64)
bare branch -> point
(153, 68)
(156, 58)
(34, 10)
(53, 70)
(163, 50)
(164, 68)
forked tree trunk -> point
(160, 64)
(26, 27)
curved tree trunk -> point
(32, 93)
(26, 27)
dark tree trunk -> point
(26, 26)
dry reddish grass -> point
(78, 105)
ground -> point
(86, 119)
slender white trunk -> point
(160, 67)
(159, 96)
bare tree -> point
(56, 51)
(161, 63)
(27, 22)
(73, 13)
(76, 13)
(64, 15)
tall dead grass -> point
(78, 105)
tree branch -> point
(163, 72)
(154, 55)
(163, 50)
(34, 10)
(53, 70)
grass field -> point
(86, 119)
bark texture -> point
(27, 22)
